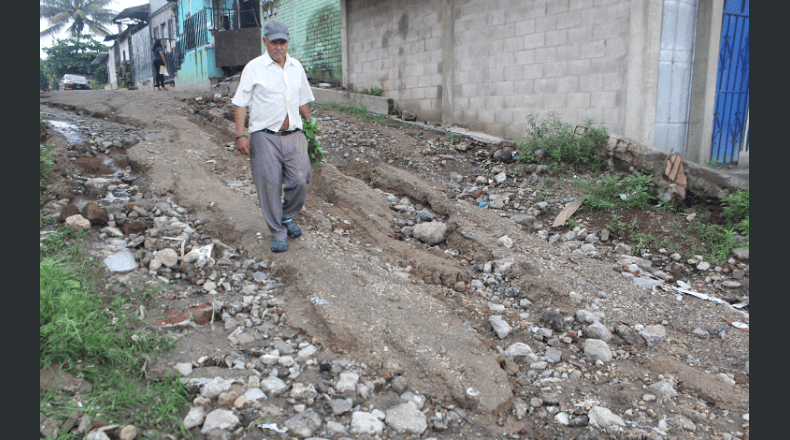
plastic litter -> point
(318, 301)
(273, 427)
(482, 204)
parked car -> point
(74, 82)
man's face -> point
(276, 49)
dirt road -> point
(406, 308)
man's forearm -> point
(304, 111)
(240, 116)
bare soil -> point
(424, 327)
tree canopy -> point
(75, 15)
(72, 56)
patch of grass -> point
(630, 191)
(94, 341)
(46, 162)
(717, 239)
(374, 91)
(348, 108)
(735, 210)
(565, 146)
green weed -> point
(566, 146)
(374, 91)
(735, 210)
(314, 150)
(630, 191)
(95, 342)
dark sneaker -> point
(280, 245)
(294, 231)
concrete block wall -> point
(397, 46)
(508, 59)
(315, 35)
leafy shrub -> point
(310, 130)
(735, 210)
(565, 145)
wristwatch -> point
(242, 136)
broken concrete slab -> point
(701, 178)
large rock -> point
(363, 423)
(220, 419)
(406, 418)
(215, 387)
(596, 349)
(500, 326)
(654, 333)
(195, 417)
(67, 211)
(518, 349)
(431, 233)
(601, 417)
(95, 214)
(599, 331)
(347, 383)
(304, 424)
(273, 386)
(123, 261)
(78, 222)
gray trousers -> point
(281, 171)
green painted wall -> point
(314, 26)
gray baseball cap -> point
(276, 30)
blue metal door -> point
(732, 85)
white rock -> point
(195, 417)
(597, 350)
(665, 388)
(654, 333)
(347, 383)
(273, 386)
(601, 417)
(505, 242)
(365, 424)
(97, 435)
(588, 317)
(184, 368)
(215, 387)
(500, 326)
(123, 261)
(255, 394)
(431, 233)
(599, 331)
(406, 418)
(221, 419)
(301, 392)
(168, 257)
(518, 349)
(562, 418)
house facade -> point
(646, 69)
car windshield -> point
(74, 78)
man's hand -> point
(243, 145)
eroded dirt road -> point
(405, 308)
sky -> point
(117, 6)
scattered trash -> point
(566, 213)
(471, 392)
(273, 427)
(482, 204)
(318, 301)
(737, 324)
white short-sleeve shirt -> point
(272, 92)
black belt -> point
(281, 133)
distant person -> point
(274, 86)
(159, 62)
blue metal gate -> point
(732, 85)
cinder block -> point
(533, 41)
(594, 49)
(568, 84)
(569, 19)
(554, 70)
(555, 38)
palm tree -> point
(77, 13)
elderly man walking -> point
(274, 86)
